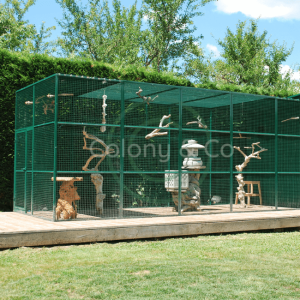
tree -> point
(169, 35)
(94, 32)
(16, 34)
(249, 58)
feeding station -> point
(190, 190)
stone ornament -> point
(190, 196)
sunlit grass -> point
(242, 266)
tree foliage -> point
(250, 58)
(16, 34)
(96, 33)
(169, 33)
(121, 36)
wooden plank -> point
(129, 232)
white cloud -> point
(214, 50)
(285, 69)
(266, 9)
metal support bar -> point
(276, 153)
(55, 147)
(15, 153)
(25, 173)
(179, 152)
(231, 157)
(32, 151)
(122, 151)
(210, 157)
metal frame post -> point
(15, 153)
(32, 151)
(210, 157)
(25, 173)
(122, 152)
(276, 153)
(179, 151)
(231, 157)
(55, 146)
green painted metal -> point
(25, 173)
(179, 152)
(122, 150)
(32, 153)
(31, 85)
(55, 147)
(276, 153)
(15, 154)
(135, 185)
(210, 158)
(231, 158)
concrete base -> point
(17, 230)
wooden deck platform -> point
(17, 230)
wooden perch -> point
(248, 157)
(240, 179)
(60, 95)
(156, 132)
(28, 102)
(104, 105)
(49, 107)
(197, 122)
(241, 137)
(145, 99)
(103, 152)
(293, 118)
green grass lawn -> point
(241, 266)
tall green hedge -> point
(18, 70)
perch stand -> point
(66, 205)
(97, 179)
(239, 168)
(104, 105)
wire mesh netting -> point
(91, 148)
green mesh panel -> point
(44, 101)
(44, 148)
(288, 191)
(134, 176)
(43, 195)
(24, 112)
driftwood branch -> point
(293, 118)
(145, 99)
(104, 105)
(156, 132)
(248, 157)
(50, 107)
(239, 168)
(241, 137)
(103, 154)
(197, 122)
(60, 95)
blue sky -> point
(281, 18)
